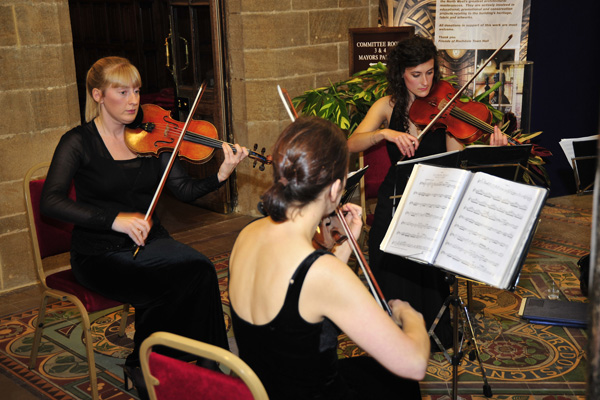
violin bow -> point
(165, 175)
(370, 278)
(375, 289)
(462, 89)
(287, 103)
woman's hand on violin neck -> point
(407, 144)
(231, 160)
(498, 138)
(134, 225)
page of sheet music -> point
(489, 229)
(429, 200)
(567, 146)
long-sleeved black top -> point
(105, 187)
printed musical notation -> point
(432, 202)
(472, 224)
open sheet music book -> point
(471, 224)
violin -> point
(466, 121)
(330, 233)
(158, 132)
(440, 104)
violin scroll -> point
(259, 157)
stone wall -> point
(39, 97)
(298, 44)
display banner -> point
(467, 33)
(477, 24)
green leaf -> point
(486, 95)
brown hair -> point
(309, 155)
(409, 53)
(108, 72)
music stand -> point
(352, 183)
(584, 165)
(508, 162)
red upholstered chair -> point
(50, 237)
(170, 379)
(379, 163)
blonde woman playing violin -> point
(173, 287)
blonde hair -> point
(108, 72)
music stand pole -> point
(455, 300)
(456, 355)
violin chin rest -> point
(138, 119)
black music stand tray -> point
(584, 165)
(508, 162)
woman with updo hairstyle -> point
(299, 176)
(289, 302)
(413, 69)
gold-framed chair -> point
(50, 237)
(171, 379)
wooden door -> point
(175, 45)
(195, 56)
(134, 29)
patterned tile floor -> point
(565, 222)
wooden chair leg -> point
(37, 338)
(89, 347)
(124, 316)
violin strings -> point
(191, 136)
(476, 122)
(471, 119)
(198, 139)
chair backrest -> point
(48, 236)
(379, 163)
(170, 379)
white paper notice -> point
(478, 24)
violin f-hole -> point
(158, 142)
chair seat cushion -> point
(180, 380)
(65, 281)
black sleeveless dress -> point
(424, 287)
(295, 359)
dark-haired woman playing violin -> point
(412, 71)
(173, 287)
(290, 301)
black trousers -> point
(173, 288)
(423, 286)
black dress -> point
(424, 287)
(173, 287)
(295, 359)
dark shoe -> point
(134, 378)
